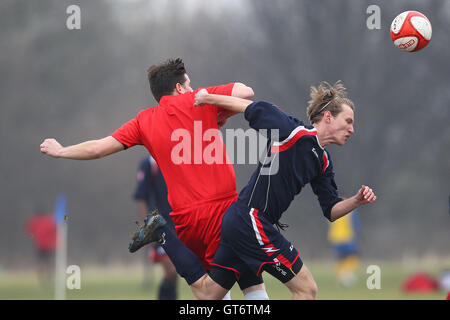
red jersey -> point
(191, 156)
(42, 229)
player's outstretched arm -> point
(233, 104)
(363, 196)
(87, 150)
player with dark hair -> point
(249, 239)
(198, 192)
(163, 78)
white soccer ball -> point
(411, 31)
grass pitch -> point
(127, 283)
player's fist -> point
(200, 97)
(51, 147)
(366, 195)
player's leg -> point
(289, 268)
(262, 247)
(302, 285)
(187, 264)
(224, 269)
(227, 268)
(207, 289)
(168, 286)
(227, 296)
(255, 292)
(45, 268)
(252, 286)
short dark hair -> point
(164, 77)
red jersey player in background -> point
(199, 191)
(42, 229)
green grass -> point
(127, 283)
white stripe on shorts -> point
(255, 227)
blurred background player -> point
(151, 193)
(343, 237)
(42, 229)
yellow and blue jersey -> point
(343, 234)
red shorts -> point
(199, 226)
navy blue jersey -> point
(152, 188)
(293, 160)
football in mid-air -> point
(411, 31)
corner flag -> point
(59, 216)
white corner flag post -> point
(61, 247)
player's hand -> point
(200, 97)
(51, 147)
(365, 195)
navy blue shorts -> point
(249, 242)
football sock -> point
(227, 296)
(257, 295)
(185, 261)
(167, 290)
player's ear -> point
(327, 116)
(179, 88)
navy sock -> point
(168, 290)
(187, 264)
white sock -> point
(227, 296)
(257, 295)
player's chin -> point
(344, 140)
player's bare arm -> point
(240, 90)
(243, 91)
(364, 195)
(88, 150)
(234, 104)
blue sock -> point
(187, 264)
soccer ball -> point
(411, 31)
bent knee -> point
(312, 291)
(306, 292)
(208, 294)
(206, 289)
(303, 285)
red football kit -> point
(201, 183)
(43, 230)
